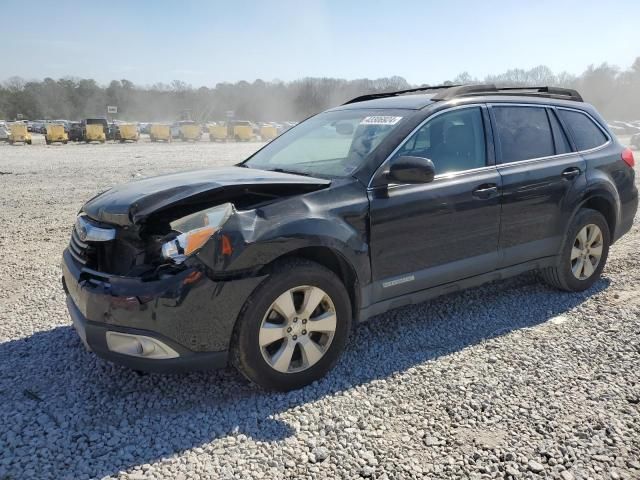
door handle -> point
(571, 173)
(486, 190)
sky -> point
(206, 42)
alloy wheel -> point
(297, 329)
(586, 252)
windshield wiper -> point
(282, 170)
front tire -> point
(293, 328)
(583, 255)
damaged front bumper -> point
(181, 322)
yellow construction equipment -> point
(160, 132)
(56, 133)
(190, 132)
(18, 133)
(268, 132)
(242, 133)
(94, 133)
(218, 133)
(128, 131)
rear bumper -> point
(627, 214)
(188, 312)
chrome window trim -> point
(606, 134)
(497, 165)
(442, 176)
(536, 160)
(406, 139)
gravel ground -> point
(511, 380)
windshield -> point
(332, 144)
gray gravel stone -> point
(510, 470)
(535, 467)
(320, 453)
(567, 475)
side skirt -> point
(423, 295)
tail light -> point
(627, 157)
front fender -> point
(332, 218)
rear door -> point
(540, 173)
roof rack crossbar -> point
(542, 91)
(373, 96)
(448, 92)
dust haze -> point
(614, 91)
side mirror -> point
(411, 170)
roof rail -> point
(373, 96)
(448, 92)
(547, 92)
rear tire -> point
(572, 273)
(311, 354)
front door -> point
(429, 234)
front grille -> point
(81, 252)
(117, 256)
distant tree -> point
(464, 78)
(615, 92)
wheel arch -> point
(331, 259)
(603, 200)
(605, 206)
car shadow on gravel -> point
(68, 414)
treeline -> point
(615, 92)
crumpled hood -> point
(132, 202)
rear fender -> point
(604, 190)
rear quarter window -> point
(586, 134)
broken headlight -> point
(195, 230)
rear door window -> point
(586, 134)
(523, 133)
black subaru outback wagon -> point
(388, 200)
